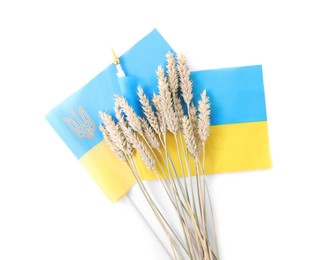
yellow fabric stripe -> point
(111, 174)
(230, 148)
(238, 147)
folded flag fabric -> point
(239, 133)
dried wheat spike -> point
(150, 135)
(172, 73)
(189, 137)
(185, 82)
(159, 113)
(124, 128)
(174, 86)
(178, 110)
(112, 145)
(204, 117)
(193, 120)
(166, 102)
(145, 155)
(114, 131)
(131, 116)
(148, 110)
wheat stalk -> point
(148, 136)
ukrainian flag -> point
(239, 132)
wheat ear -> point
(174, 86)
(143, 151)
(204, 117)
(166, 102)
(159, 113)
(120, 154)
(185, 82)
(113, 131)
(189, 137)
(150, 135)
(124, 128)
(131, 116)
(193, 119)
(113, 135)
(148, 110)
(172, 73)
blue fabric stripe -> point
(140, 61)
(236, 94)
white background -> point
(49, 206)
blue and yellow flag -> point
(239, 133)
